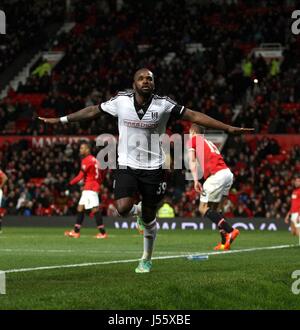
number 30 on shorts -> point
(162, 188)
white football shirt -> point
(140, 128)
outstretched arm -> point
(84, 114)
(206, 121)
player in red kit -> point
(89, 201)
(294, 212)
(218, 180)
(3, 179)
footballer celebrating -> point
(218, 180)
(89, 201)
(3, 180)
(141, 113)
(294, 212)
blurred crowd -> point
(264, 176)
(272, 104)
(39, 180)
(112, 39)
(25, 26)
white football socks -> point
(149, 238)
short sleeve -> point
(110, 106)
(174, 108)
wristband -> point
(64, 119)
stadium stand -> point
(99, 60)
(24, 31)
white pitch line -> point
(22, 270)
(85, 251)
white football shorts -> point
(89, 199)
(1, 195)
(295, 218)
(216, 186)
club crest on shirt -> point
(154, 115)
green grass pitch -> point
(248, 280)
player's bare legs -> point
(126, 207)
(298, 231)
(294, 230)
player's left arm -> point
(209, 122)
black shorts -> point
(151, 184)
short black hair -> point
(141, 69)
(87, 143)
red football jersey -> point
(295, 201)
(90, 172)
(212, 162)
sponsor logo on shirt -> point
(138, 124)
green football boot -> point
(144, 266)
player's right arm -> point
(78, 178)
(87, 113)
(193, 168)
(287, 218)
